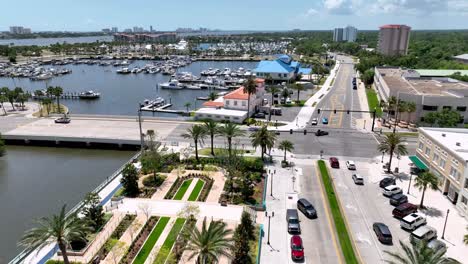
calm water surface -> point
(121, 93)
(37, 181)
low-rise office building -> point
(463, 58)
(444, 152)
(429, 93)
(284, 68)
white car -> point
(358, 179)
(391, 190)
(412, 221)
(314, 121)
(351, 165)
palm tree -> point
(298, 87)
(212, 96)
(198, 134)
(263, 138)
(47, 102)
(210, 242)
(273, 90)
(392, 144)
(285, 94)
(423, 181)
(410, 108)
(230, 131)
(212, 128)
(187, 106)
(419, 253)
(58, 228)
(391, 103)
(10, 95)
(286, 145)
(56, 91)
(250, 87)
(3, 99)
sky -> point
(94, 15)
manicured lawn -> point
(340, 226)
(166, 248)
(151, 241)
(217, 151)
(373, 102)
(182, 190)
(196, 191)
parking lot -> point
(365, 205)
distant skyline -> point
(87, 15)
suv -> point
(334, 163)
(403, 210)
(358, 179)
(383, 233)
(398, 199)
(412, 221)
(297, 250)
(319, 133)
(351, 165)
(391, 190)
(314, 121)
(292, 218)
(424, 233)
(324, 120)
(386, 182)
(306, 208)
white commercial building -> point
(348, 34)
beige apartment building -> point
(393, 40)
(444, 151)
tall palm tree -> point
(212, 128)
(419, 253)
(391, 103)
(58, 228)
(198, 134)
(410, 108)
(392, 144)
(298, 87)
(250, 87)
(56, 91)
(423, 181)
(273, 90)
(212, 96)
(286, 145)
(230, 131)
(263, 138)
(187, 106)
(285, 94)
(209, 243)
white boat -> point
(124, 63)
(172, 84)
(124, 71)
(193, 86)
(89, 95)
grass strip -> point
(373, 102)
(166, 248)
(340, 226)
(196, 191)
(182, 190)
(151, 241)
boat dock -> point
(161, 109)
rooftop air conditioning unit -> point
(458, 144)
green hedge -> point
(340, 226)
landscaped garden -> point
(151, 241)
(181, 185)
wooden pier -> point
(67, 95)
(161, 109)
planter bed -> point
(166, 248)
(139, 240)
(206, 189)
(181, 241)
(182, 190)
(175, 188)
(151, 241)
(196, 191)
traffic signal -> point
(305, 131)
(334, 111)
(290, 131)
(318, 110)
(348, 112)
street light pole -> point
(271, 186)
(409, 184)
(269, 224)
(139, 123)
(383, 153)
(445, 224)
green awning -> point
(418, 163)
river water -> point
(121, 93)
(37, 181)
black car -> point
(386, 182)
(354, 87)
(383, 233)
(354, 80)
(259, 115)
(319, 133)
(306, 208)
(62, 120)
(398, 199)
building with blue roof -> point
(281, 69)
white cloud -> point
(338, 7)
(90, 21)
(409, 7)
(311, 12)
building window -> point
(466, 184)
(208, 115)
(454, 174)
(235, 103)
(236, 118)
(227, 102)
(428, 151)
(430, 107)
(442, 164)
(454, 161)
(464, 200)
(244, 103)
(461, 108)
(421, 145)
(448, 107)
(436, 158)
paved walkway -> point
(217, 188)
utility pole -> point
(139, 123)
(271, 186)
(445, 224)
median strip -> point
(340, 225)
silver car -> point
(314, 121)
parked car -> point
(358, 179)
(334, 163)
(292, 218)
(354, 87)
(62, 120)
(437, 245)
(387, 182)
(398, 199)
(320, 133)
(306, 208)
(413, 221)
(297, 249)
(253, 128)
(314, 121)
(391, 190)
(403, 210)
(383, 233)
(351, 165)
(259, 115)
(424, 233)
(354, 80)
(324, 120)
(288, 101)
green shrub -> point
(151, 181)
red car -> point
(334, 163)
(297, 250)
